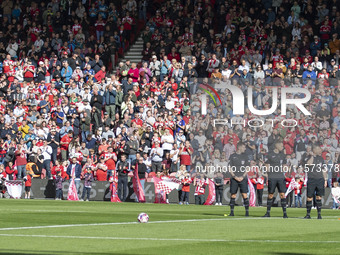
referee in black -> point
(238, 164)
(276, 164)
(316, 170)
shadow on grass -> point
(16, 252)
(288, 253)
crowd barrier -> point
(45, 189)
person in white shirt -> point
(150, 120)
(167, 141)
(175, 159)
(156, 155)
(180, 138)
(19, 112)
(169, 103)
(201, 139)
(317, 65)
(47, 153)
(147, 162)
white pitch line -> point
(126, 223)
(167, 239)
(135, 222)
(62, 211)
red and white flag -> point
(163, 187)
(336, 194)
(212, 194)
(292, 185)
(114, 187)
(137, 187)
(252, 196)
(14, 188)
(72, 192)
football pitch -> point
(65, 227)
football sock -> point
(269, 205)
(318, 206)
(232, 204)
(246, 204)
(283, 205)
(309, 207)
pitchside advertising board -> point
(45, 189)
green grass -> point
(212, 234)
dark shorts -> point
(315, 186)
(27, 188)
(279, 183)
(234, 185)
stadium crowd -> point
(63, 98)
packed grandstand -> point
(66, 90)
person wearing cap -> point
(331, 66)
(315, 46)
(77, 73)
(155, 67)
(107, 120)
(41, 72)
(107, 132)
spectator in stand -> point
(123, 167)
(88, 177)
(74, 172)
(176, 52)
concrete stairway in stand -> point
(135, 52)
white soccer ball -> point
(143, 218)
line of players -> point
(316, 182)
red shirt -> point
(55, 169)
(139, 122)
(200, 187)
(100, 75)
(10, 171)
(20, 158)
(260, 183)
(186, 184)
(28, 182)
(101, 174)
(110, 163)
(134, 74)
(186, 157)
(127, 21)
(66, 139)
